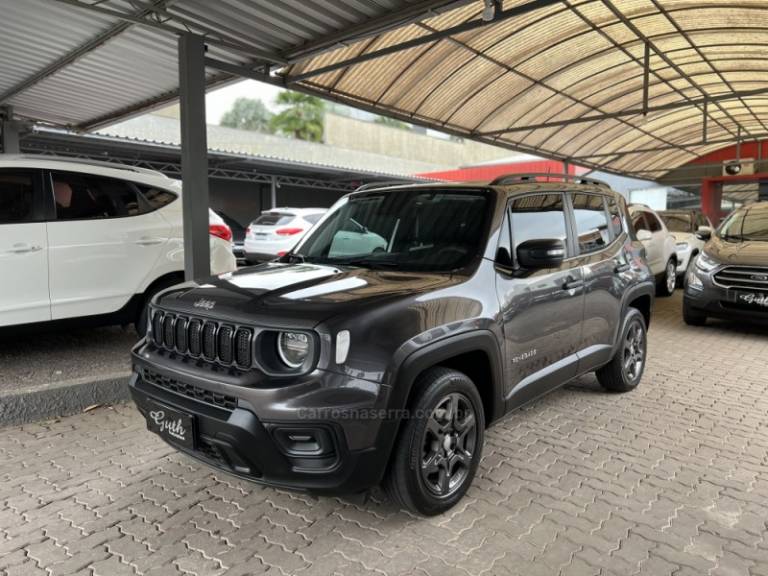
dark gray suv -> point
(411, 317)
(729, 278)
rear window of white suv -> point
(273, 219)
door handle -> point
(573, 284)
(149, 241)
(621, 267)
(24, 248)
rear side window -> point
(273, 219)
(17, 197)
(541, 216)
(313, 218)
(86, 197)
(592, 226)
(156, 198)
(614, 215)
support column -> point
(9, 132)
(273, 192)
(194, 156)
(711, 199)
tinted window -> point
(653, 222)
(273, 219)
(639, 222)
(17, 197)
(678, 221)
(614, 214)
(313, 218)
(591, 222)
(537, 217)
(431, 230)
(156, 198)
(86, 197)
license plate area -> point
(759, 300)
(173, 425)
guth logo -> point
(205, 304)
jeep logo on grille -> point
(759, 277)
(205, 304)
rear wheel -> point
(666, 284)
(438, 450)
(625, 370)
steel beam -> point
(194, 156)
(646, 76)
(628, 112)
(273, 192)
(434, 37)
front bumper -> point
(261, 435)
(720, 302)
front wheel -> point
(666, 284)
(438, 449)
(625, 370)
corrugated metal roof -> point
(560, 78)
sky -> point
(219, 101)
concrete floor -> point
(670, 479)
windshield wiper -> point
(364, 262)
(732, 238)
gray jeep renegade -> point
(409, 319)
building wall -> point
(353, 134)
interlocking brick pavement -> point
(671, 479)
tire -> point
(621, 374)
(665, 285)
(438, 445)
(140, 323)
(693, 317)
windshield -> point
(746, 225)
(677, 222)
(433, 230)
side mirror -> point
(704, 233)
(539, 254)
(644, 235)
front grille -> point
(189, 390)
(214, 342)
(750, 278)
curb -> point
(61, 398)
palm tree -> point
(302, 117)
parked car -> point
(332, 371)
(238, 236)
(278, 230)
(660, 247)
(729, 278)
(81, 238)
(684, 225)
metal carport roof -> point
(631, 86)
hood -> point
(683, 236)
(297, 295)
(738, 253)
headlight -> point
(293, 348)
(706, 263)
(693, 279)
(682, 246)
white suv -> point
(660, 247)
(81, 238)
(278, 230)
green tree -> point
(301, 117)
(392, 122)
(248, 114)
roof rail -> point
(385, 184)
(532, 176)
(87, 162)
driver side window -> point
(539, 216)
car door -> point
(542, 310)
(104, 242)
(653, 249)
(23, 249)
(598, 227)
